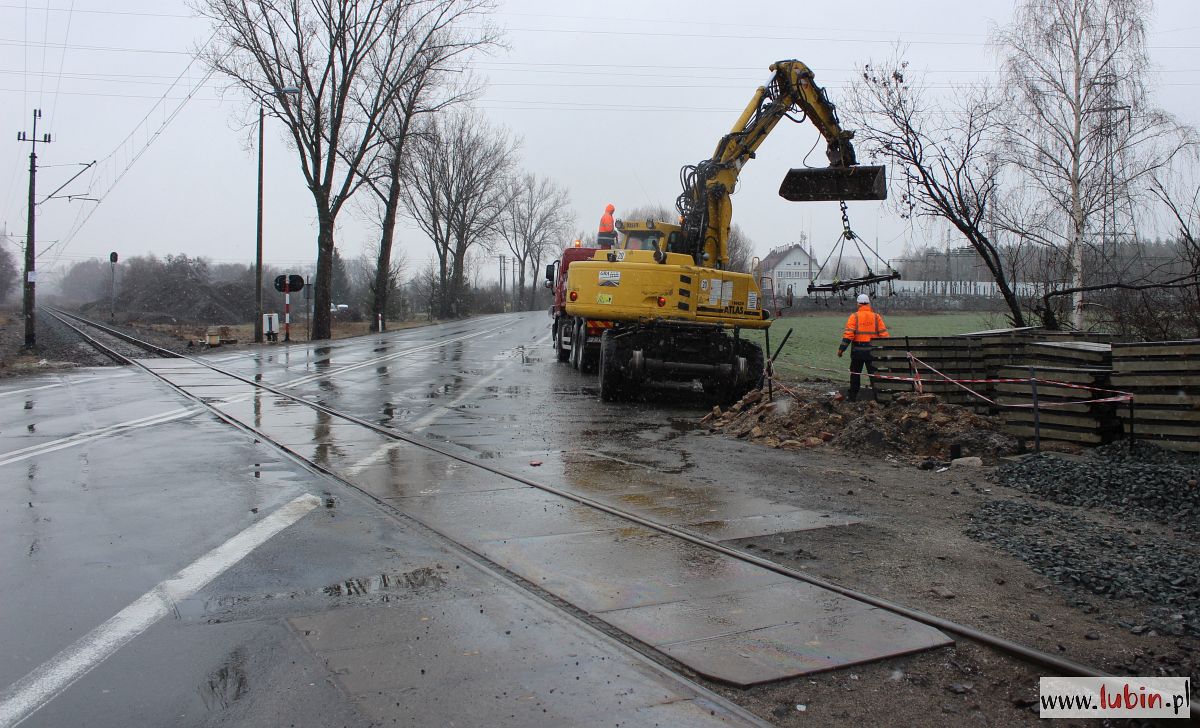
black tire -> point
(612, 382)
(589, 358)
(576, 344)
(756, 363)
(560, 351)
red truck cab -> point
(575, 339)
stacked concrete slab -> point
(1164, 377)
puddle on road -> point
(512, 391)
(227, 684)
(428, 578)
(378, 588)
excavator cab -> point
(834, 184)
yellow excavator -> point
(678, 313)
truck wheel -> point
(561, 351)
(611, 381)
(576, 344)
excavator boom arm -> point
(704, 203)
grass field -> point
(815, 337)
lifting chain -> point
(846, 231)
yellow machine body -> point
(642, 280)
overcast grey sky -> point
(611, 99)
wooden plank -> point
(1083, 409)
(1056, 433)
(1134, 366)
(1050, 418)
(1144, 414)
(1020, 331)
(1046, 391)
(1180, 380)
(1190, 347)
(1179, 399)
(1182, 445)
(1158, 428)
(1072, 375)
(1077, 347)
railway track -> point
(111, 342)
(93, 331)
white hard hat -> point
(864, 298)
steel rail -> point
(656, 661)
(1063, 666)
(62, 317)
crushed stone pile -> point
(917, 427)
(1143, 481)
(1157, 572)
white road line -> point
(65, 383)
(25, 453)
(82, 437)
(46, 682)
(429, 418)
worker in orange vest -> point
(862, 326)
(607, 237)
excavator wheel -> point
(729, 391)
(612, 379)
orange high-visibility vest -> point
(606, 220)
(864, 325)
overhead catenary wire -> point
(132, 158)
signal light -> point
(574, 296)
(578, 243)
(662, 301)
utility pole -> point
(258, 310)
(30, 278)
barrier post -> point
(1131, 438)
(1037, 418)
(770, 362)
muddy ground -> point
(915, 547)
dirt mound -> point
(916, 427)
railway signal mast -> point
(30, 278)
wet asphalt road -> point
(354, 614)
(113, 484)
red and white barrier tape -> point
(918, 385)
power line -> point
(62, 61)
(151, 138)
(10, 6)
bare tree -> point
(364, 272)
(456, 192)
(945, 159)
(740, 248)
(1085, 138)
(348, 61)
(438, 81)
(8, 269)
(536, 218)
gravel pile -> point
(1158, 573)
(1144, 482)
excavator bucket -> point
(861, 182)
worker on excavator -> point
(607, 237)
(862, 326)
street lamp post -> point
(258, 248)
